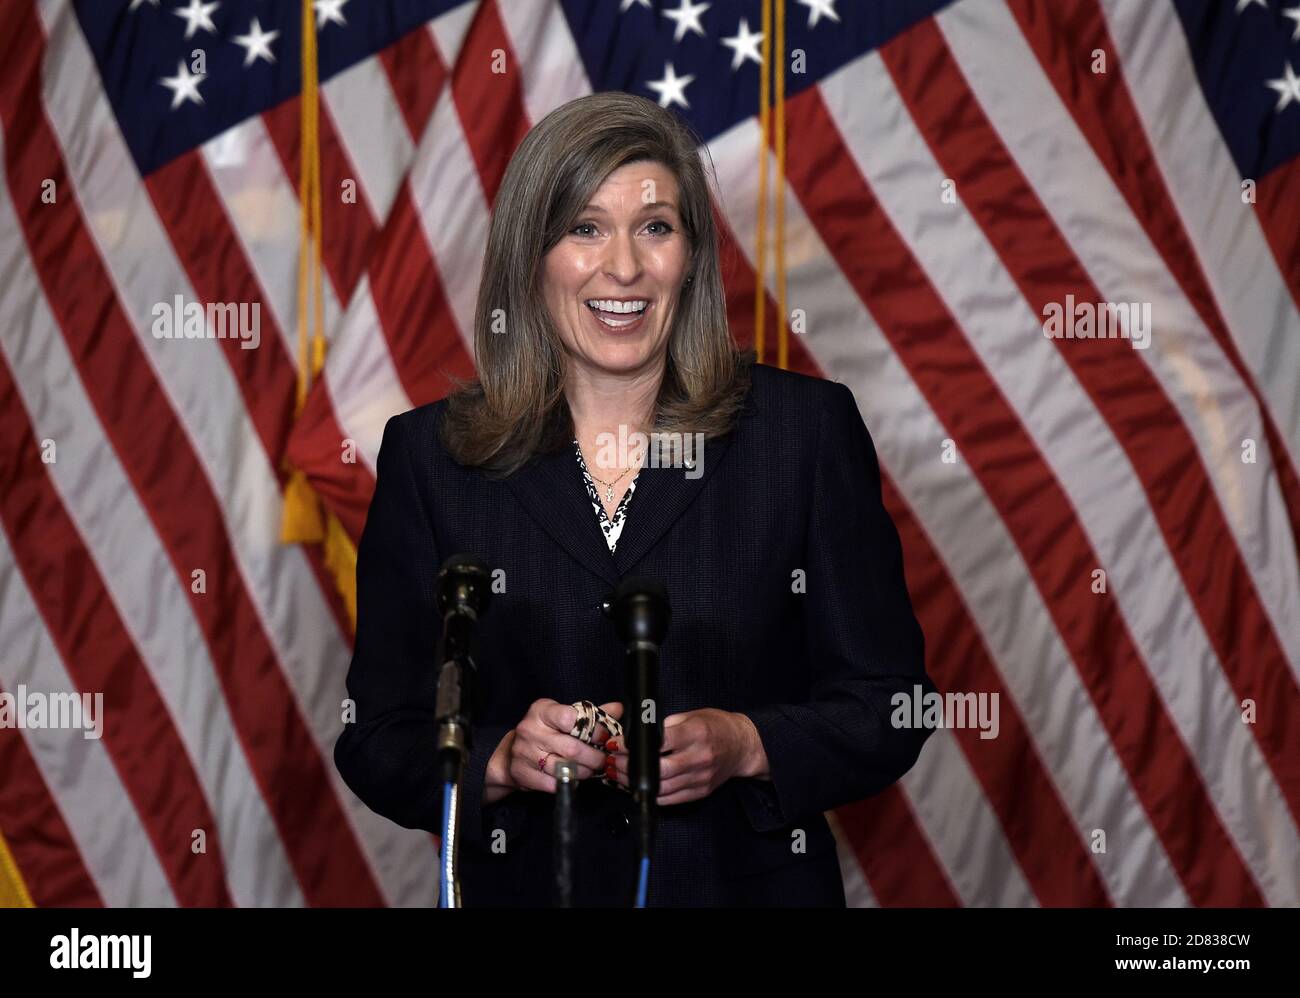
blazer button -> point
(605, 606)
(619, 825)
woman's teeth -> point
(618, 314)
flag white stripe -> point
(974, 851)
(453, 212)
(1235, 256)
(82, 778)
(551, 65)
(264, 212)
(362, 378)
(966, 530)
(1083, 454)
(449, 31)
(1197, 378)
(140, 580)
(373, 132)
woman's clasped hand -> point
(701, 750)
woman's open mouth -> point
(616, 316)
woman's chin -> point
(619, 358)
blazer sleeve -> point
(387, 756)
(864, 644)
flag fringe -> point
(13, 891)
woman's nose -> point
(622, 261)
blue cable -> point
(444, 888)
(643, 882)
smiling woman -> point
(604, 208)
(601, 318)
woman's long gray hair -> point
(516, 407)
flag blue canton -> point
(138, 44)
(1247, 55)
(699, 59)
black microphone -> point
(462, 593)
(639, 610)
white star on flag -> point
(257, 43)
(330, 10)
(1294, 14)
(687, 17)
(672, 88)
(1243, 4)
(623, 7)
(198, 15)
(744, 43)
(1288, 86)
(819, 8)
(137, 3)
(184, 85)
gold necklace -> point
(609, 486)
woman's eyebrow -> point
(648, 206)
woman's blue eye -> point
(591, 225)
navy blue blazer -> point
(785, 578)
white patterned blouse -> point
(611, 527)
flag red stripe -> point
(316, 446)
(1278, 210)
(44, 851)
(896, 858)
(992, 441)
(423, 336)
(1103, 109)
(491, 105)
(155, 453)
(1123, 389)
(417, 75)
(139, 734)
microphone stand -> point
(639, 609)
(462, 593)
(566, 788)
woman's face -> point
(626, 250)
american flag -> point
(1104, 536)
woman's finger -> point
(614, 709)
(682, 797)
(558, 716)
(567, 747)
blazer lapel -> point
(552, 491)
(661, 496)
